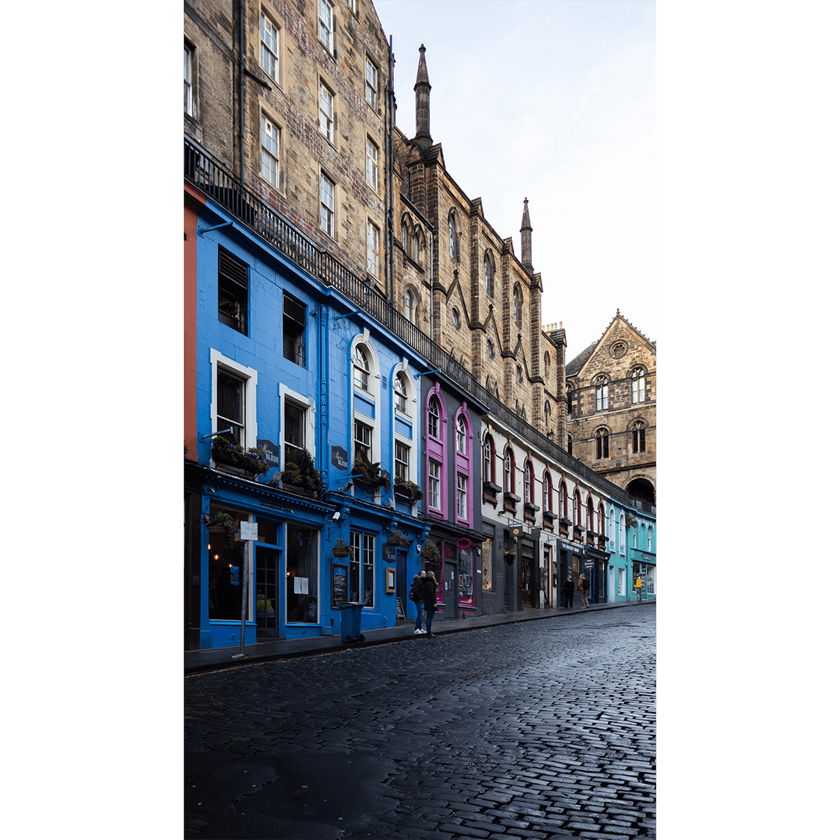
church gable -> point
(620, 348)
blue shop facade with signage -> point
(304, 490)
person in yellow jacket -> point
(639, 588)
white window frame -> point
(307, 404)
(508, 472)
(326, 111)
(372, 164)
(461, 484)
(406, 463)
(649, 537)
(371, 83)
(434, 415)
(189, 98)
(622, 541)
(327, 196)
(326, 24)
(461, 434)
(434, 484)
(363, 441)
(611, 527)
(269, 53)
(400, 393)
(249, 377)
(622, 581)
(372, 248)
(361, 368)
(353, 4)
(271, 152)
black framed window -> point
(294, 330)
(233, 292)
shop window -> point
(360, 585)
(301, 557)
(651, 581)
(466, 595)
(226, 556)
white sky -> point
(560, 109)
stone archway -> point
(642, 489)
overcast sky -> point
(552, 100)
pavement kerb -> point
(214, 658)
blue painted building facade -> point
(285, 364)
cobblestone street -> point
(538, 729)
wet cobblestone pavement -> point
(543, 729)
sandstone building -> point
(611, 389)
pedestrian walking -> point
(568, 592)
(416, 595)
(639, 588)
(430, 601)
(583, 591)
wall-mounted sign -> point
(464, 543)
(339, 585)
(271, 452)
(339, 458)
(248, 530)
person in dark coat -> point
(568, 593)
(416, 595)
(429, 590)
(583, 591)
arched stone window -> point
(361, 368)
(489, 459)
(547, 416)
(517, 305)
(601, 519)
(637, 431)
(405, 237)
(602, 443)
(547, 361)
(488, 274)
(590, 515)
(577, 511)
(563, 501)
(637, 385)
(529, 483)
(412, 307)
(509, 481)
(453, 238)
(547, 492)
(602, 394)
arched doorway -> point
(642, 489)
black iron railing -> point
(214, 180)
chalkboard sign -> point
(400, 610)
(339, 585)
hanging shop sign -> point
(270, 451)
(339, 458)
(464, 543)
(567, 546)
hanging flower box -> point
(407, 489)
(232, 454)
(430, 552)
(221, 523)
(370, 475)
(300, 475)
(399, 539)
(340, 549)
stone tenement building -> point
(611, 390)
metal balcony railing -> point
(223, 187)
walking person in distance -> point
(416, 595)
(583, 591)
(568, 592)
(429, 590)
(639, 588)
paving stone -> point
(501, 736)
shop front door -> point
(450, 590)
(269, 608)
(528, 581)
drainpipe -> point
(242, 92)
(389, 164)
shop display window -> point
(226, 555)
(301, 574)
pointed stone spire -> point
(421, 96)
(525, 230)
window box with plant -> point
(430, 552)
(370, 475)
(300, 474)
(408, 489)
(399, 539)
(221, 523)
(251, 461)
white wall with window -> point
(233, 399)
